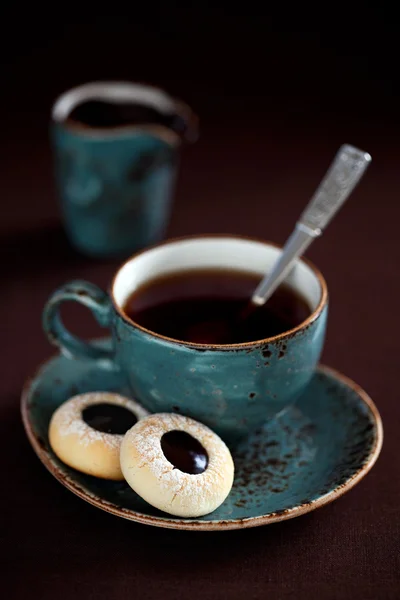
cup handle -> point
(99, 304)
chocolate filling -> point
(184, 452)
(109, 418)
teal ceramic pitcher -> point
(116, 147)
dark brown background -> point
(276, 95)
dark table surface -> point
(251, 172)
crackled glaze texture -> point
(230, 390)
(308, 456)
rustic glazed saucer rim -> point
(323, 301)
(210, 525)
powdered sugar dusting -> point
(68, 417)
(146, 439)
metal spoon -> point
(340, 180)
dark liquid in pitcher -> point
(210, 307)
(102, 114)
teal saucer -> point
(311, 454)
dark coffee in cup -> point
(209, 307)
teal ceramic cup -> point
(116, 182)
(233, 389)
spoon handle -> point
(345, 172)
